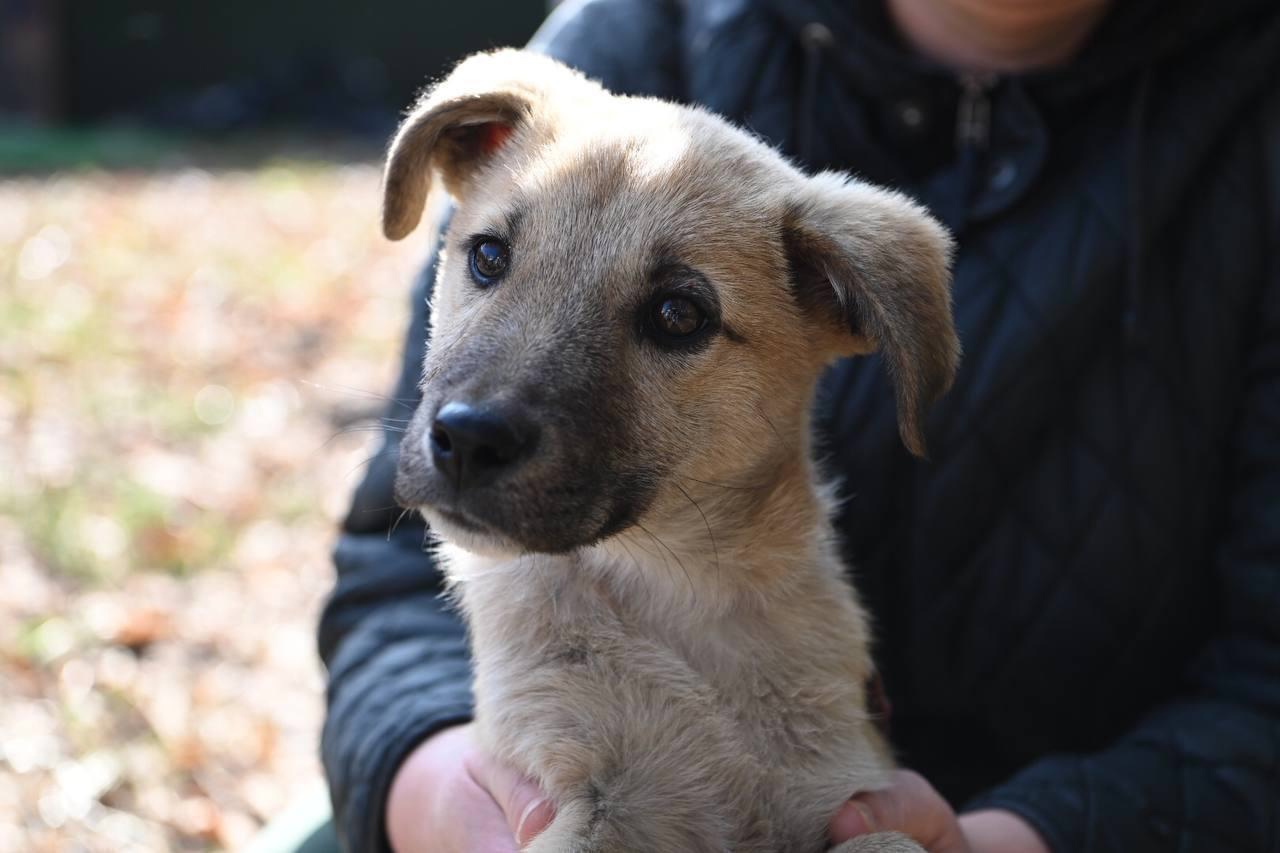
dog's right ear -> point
(458, 126)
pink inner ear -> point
(493, 135)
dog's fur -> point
(663, 634)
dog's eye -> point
(489, 260)
(677, 317)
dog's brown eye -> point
(489, 260)
(678, 317)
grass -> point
(36, 150)
(179, 329)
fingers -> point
(436, 806)
(526, 810)
(897, 808)
(476, 825)
(447, 797)
(854, 818)
(909, 805)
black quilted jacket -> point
(1078, 595)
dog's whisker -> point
(543, 580)
(727, 486)
(634, 559)
(337, 435)
(351, 430)
(370, 428)
(715, 549)
(406, 402)
(361, 464)
(760, 410)
(648, 551)
(381, 508)
(693, 590)
(396, 523)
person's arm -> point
(1202, 773)
(397, 657)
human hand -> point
(449, 797)
(910, 805)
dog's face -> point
(635, 298)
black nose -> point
(474, 445)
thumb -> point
(527, 809)
(852, 820)
(909, 805)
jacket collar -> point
(1134, 35)
(831, 83)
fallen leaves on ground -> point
(180, 355)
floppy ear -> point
(874, 269)
(460, 124)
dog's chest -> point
(566, 674)
(763, 673)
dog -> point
(633, 305)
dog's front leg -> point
(628, 743)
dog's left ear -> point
(874, 269)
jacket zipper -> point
(973, 128)
(973, 113)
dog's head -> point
(635, 297)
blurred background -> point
(198, 317)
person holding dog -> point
(1077, 597)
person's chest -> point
(1049, 569)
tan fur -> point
(695, 680)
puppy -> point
(634, 304)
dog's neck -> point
(724, 546)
